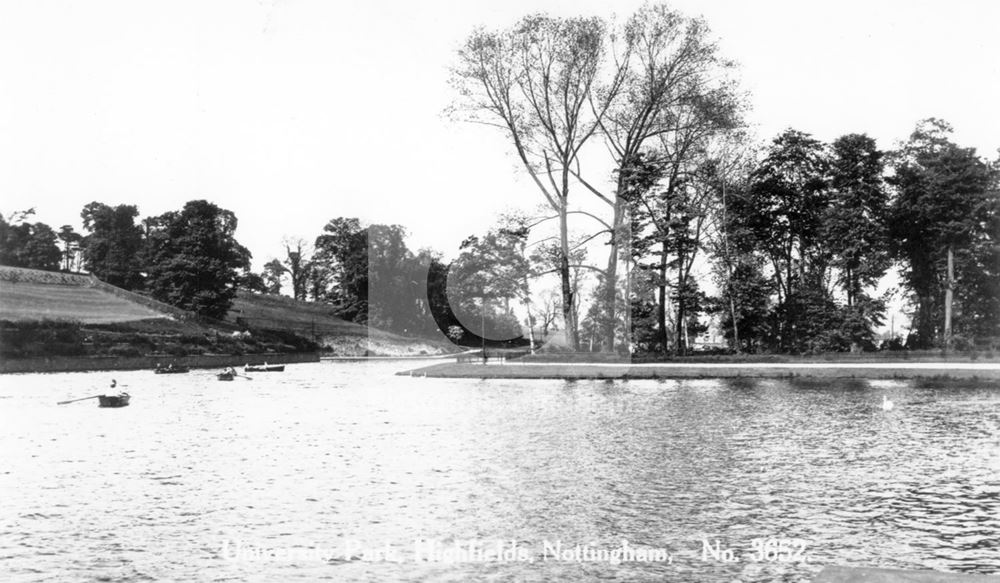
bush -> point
(175, 350)
(124, 351)
(40, 338)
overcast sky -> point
(290, 113)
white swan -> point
(887, 405)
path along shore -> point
(687, 370)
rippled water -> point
(327, 455)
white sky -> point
(290, 113)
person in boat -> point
(230, 371)
(114, 383)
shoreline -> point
(656, 371)
(99, 363)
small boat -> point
(225, 376)
(264, 368)
(119, 400)
(171, 370)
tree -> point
(112, 246)
(342, 249)
(945, 225)
(274, 270)
(748, 290)
(731, 244)
(854, 225)
(551, 84)
(297, 265)
(40, 250)
(395, 299)
(30, 245)
(71, 245)
(676, 98)
(784, 210)
(318, 279)
(536, 82)
(854, 230)
(493, 268)
(194, 259)
(253, 282)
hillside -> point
(28, 295)
(318, 322)
(44, 314)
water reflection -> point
(329, 454)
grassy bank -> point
(903, 356)
(154, 337)
(45, 315)
(84, 363)
(579, 371)
(334, 335)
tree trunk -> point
(948, 297)
(531, 320)
(729, 270)
(611, 283)
(569, 312)
(662, 298)
(680, 304)
(850, 287)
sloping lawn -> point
(30, 301)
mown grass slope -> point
(77, 315)
(45, 314)
(66, 299)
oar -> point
(75, 400)
(244, 376)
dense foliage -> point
(113, 244)
(795, 246)
(24, 244)
(194, 260)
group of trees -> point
(634, 135)
(798, 238)
(556, 86)
(27, 244)
(188, 258)
(368, 275)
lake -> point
(345, 472)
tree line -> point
(368, 275)
(658, 215)
(188, 258)
(191, 259)
(797, 235)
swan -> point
(887, 405)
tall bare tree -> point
(297, 259)
(677, 96)
(537, 82)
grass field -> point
(30, 301)
(32, 296)
(268, 311)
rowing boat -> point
(119, 400)
(264, 368)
